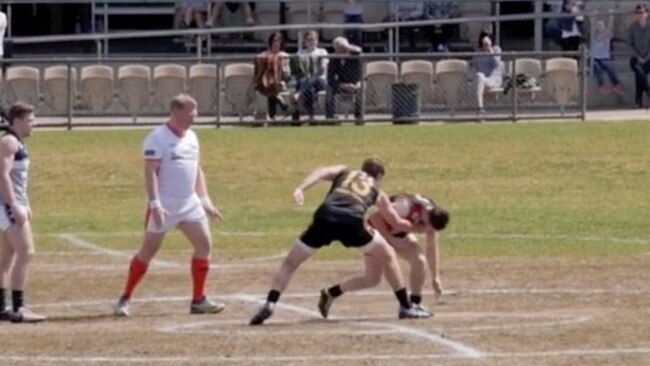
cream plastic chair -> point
(380, 76)
(451, 79)
(238, 86)
(203, 86)
(23, 84)
(97, 87)
(419, 72)
(56, 93)
(532, 68)
(562, 80)
(134, 87)
(168, 82)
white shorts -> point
(178, 211)
(7, 217)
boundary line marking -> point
(510, 236)
(458, 348)
(78, 242)
(321, 358)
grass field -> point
(539, 180)
(547, 221)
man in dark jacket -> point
(343, 77)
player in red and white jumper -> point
(427, 218)
(178, 198)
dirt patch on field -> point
(496, 311)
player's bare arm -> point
(389, 213)
(202, 191)
(433, 258)
(327, 173)
(151, 183)
(8, 148)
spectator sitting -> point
(353, 14)
(272, 72)
(640, 43)
(600, 52)
(312, 74)
(193, 11)
(247, 10)
(343, 77)
(439, 35)
(488, 67)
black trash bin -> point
(406, 103)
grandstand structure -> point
(106, 64)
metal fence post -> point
(199, 46)
(513, 80)
(218, 91)
(362, 79)
(70, 94)
(583, 83)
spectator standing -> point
(600, 52)
(572, 26)
(640, 44)
(353, 14)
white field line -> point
(552, 237)
(573, 319)
(370, 293)
(317, 358)
(457, 347)
(78, 242)
(512, 236)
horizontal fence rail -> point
(290, 27)
(395, 88)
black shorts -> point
(323, 232)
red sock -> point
(136, 272)
(200, 268)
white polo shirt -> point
(179, 162)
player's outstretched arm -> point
(433, 258)
(327, 173)
(389, 213)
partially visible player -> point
(16, 215)
(342, 216)
(178, 197)
(428, 218)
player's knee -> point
(419, 261)
(25, 256)
(384, 251)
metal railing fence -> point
(394, 88)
